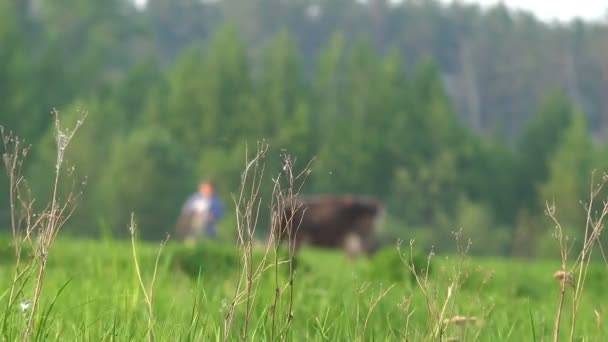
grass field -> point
(92, 292)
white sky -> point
(563, 10)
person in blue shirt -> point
(204, 210)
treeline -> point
(497, 64)
(372, 123)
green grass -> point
(102, 300)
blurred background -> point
(454, 114)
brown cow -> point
(336, 221)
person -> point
(203, 209)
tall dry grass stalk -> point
(361, 332)
(373, 304)
(576, 275)
(247, 205)
(148, 293)
(434, 314)
(38, 228)
(408, 311)
(20, 213)
(437, 305)
(285, 196)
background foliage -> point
(453, 116)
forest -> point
(454, 116)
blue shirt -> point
(216, 209)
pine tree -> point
(149, 174)
(185, 100)
(569, 173)
(428, 183)
(538, 143)
(285, 102)
(329, 119)
(15, 80)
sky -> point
(563, 10)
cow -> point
(330, 221)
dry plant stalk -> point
(245, 229)
(39, 228)
(436, 311)
(559, 274)
(13, 158)
(405, 307)
(247, 206)
(148, 294)
(462, 250)
(598, 323)
(281, 200)
(461, 322)
(421, 279)
(592, 234)
(359, 291)
(373, 305)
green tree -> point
(210, 99)
(174, 25)
(349, 152)
(15, 80)
(95, 39)
(427, 186)
(285, 103)
(282, 88)
(150, 175)
(185, 100)
(538, 143)
(491, 177)
(88, 150)
(394, 103)
(329, 121)
(13, 72)
(227, 88)
(133, 93)
(568, 182)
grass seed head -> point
(460, 320)
(564, 276)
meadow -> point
(54, 286)
(92, 292)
